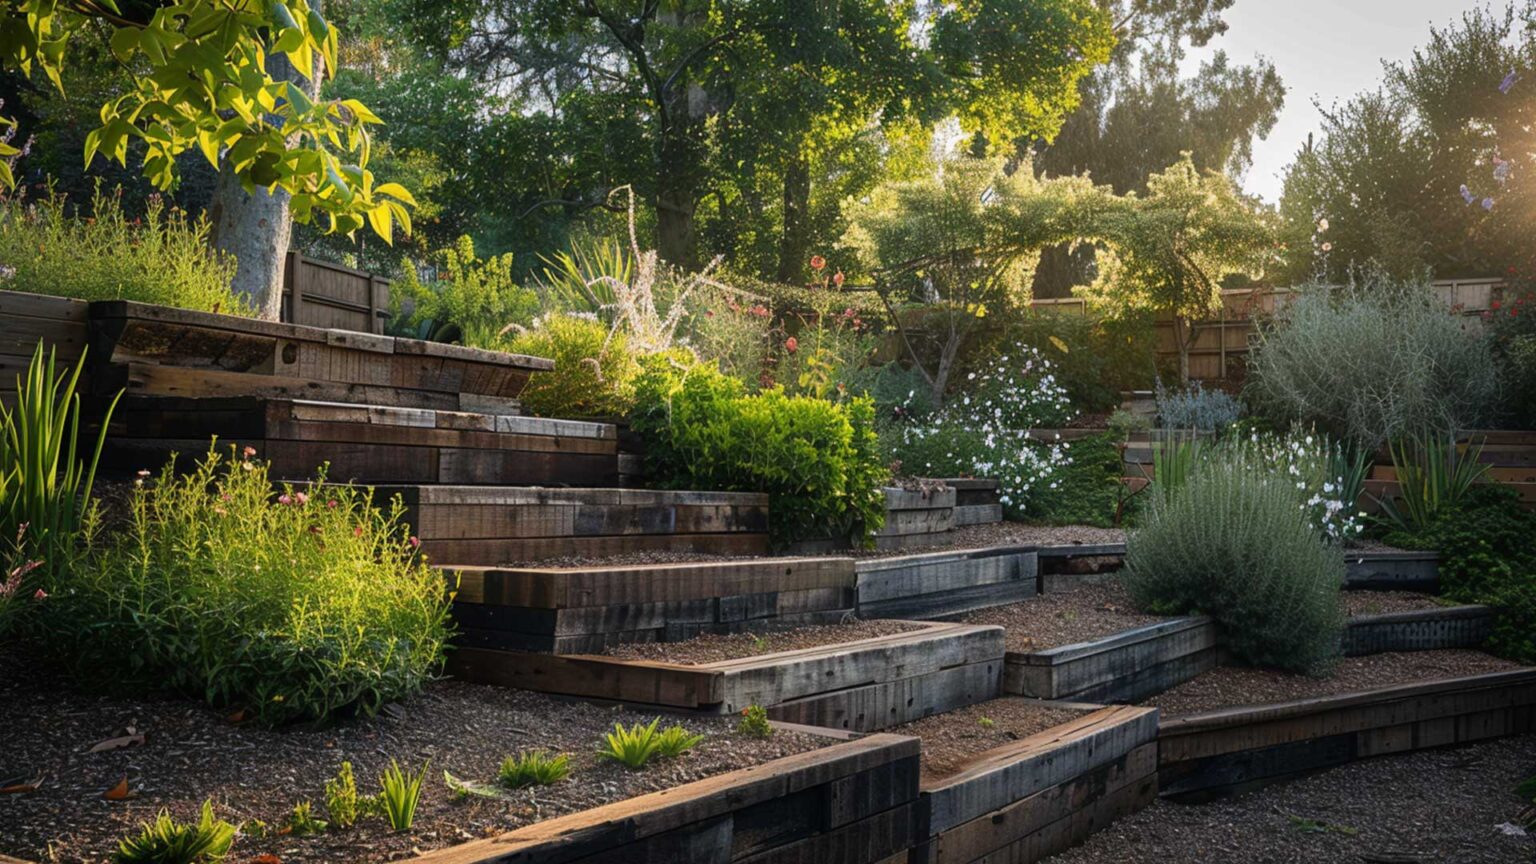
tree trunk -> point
(794, 242)
(256, 227)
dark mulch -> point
(951, 739)
(191, 753)
(1234, 685)
(1358, 603)
(1007, 534)
(1431, 806)
(714, 648)
(1052, 620)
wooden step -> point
(156, 350)
(370, 444)
(1123, 667)
(945, 584)
(489, 526)
(1466, 626)
(863, 686)
(589, 609)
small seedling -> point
(1527, 792)
(1318, 826)
(166, 841)
(302, 821)
(252, 828)
(465, 789)
(534, 768)
(398, 795)
(631, 747)
(341, 797)
(986, 723)
(754, 722)
(675, 741)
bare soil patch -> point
(955, 737)
(1052, 620)
(715, 648)
(1358, 603)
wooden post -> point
(374, 324)
(295, 286)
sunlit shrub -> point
(594, 372)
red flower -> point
(790, 344)
(415, 542)
(837, 278)
(40, 594)
(1494, 305)
(818, 262)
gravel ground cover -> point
(1052, 620)
(1428, 807)
(1358, 603)
(189, 753)
(714, 648)
(1229, 686)
(954, 737)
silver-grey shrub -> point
(1234, 542)
(1195, 408)
(1372, 362)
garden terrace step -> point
(1122, 667)
(1233, 750)
(490, 526)
(588, 609)
(1065, 568)
(371, 444)
(1419, 630)
(945, 584)
(913, 518)
(863, 685)
(58, 322)
(1380, 489)
(159, 351)
(1044, 793)
(978, 501)
(1392, 570)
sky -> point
(1325, 51)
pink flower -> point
(415, 542)
(357, 531)
(248, 452)
(837, 278)
(284, 499)
(301, 497)
(791, 344)
(331, 504)
(40, 594)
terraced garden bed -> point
(1053, 620)
(713, 648)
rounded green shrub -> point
(1237, 544)
(594, 370)
(296, 604)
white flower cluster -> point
(1306, 459)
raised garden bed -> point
(589, 609)
(190, 753)
(1386, 703)
(488, 526)
(1392, 569)
(1068, 567)
(60, 323)
(1429, 629)
(713, 648)
(978, 501)
(944, 584)
(1054, 620)
(863, 685)
(1027, 799)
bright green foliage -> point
(1084, 490)
(44, 485)
(163, 258)
(754, 722)
(399, 793)
(534, 767)
(1372, 362)
(818, 461)
(303, 821)
(676, 740)
(166, 841)
(298, 604)
(341, 801)
(594, 374)
(469, 301)
(631, 746)
(202, 80)
(1094, 357)
(1234, 542)
(1434, 474)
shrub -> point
(1511, 327)
(1433, 475)
(1371, 363)
(1095, 358)
(594, 370)
(817, 460)
(166, 841)
(296, 605)
(729, 331)
(1196, 409)
(822, 356)
(1328, 476)
(1085, 489)
(463, 300)
(341, 801)
(163, 258)
(535, 767)
(754, 722)
(1233, 543)
(302, 821)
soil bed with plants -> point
(1052, 620)
(189, 754)
(715, 648)
(1432, 805)
(1358, 603)
(953, 738)
(1230, 686)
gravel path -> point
(191, 753)
(952, 738)
(1234, 685)
(1052, 620)
(1359, 603)
(1440, 806)
(714, 648)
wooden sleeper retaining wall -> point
(60, 323)
(1420, 630)
(1124, 667)
(944, 584)
(1392, 570)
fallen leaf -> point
(266, 858)
(118, 743)
(120, 792)
(20, 784)
(236, 717)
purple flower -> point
(1487, 203)
(1508, 82)
(1466, 194)
(1501, 169)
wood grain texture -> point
(1419, 630)
(1123, 667)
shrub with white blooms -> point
(1318, 469)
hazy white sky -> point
(1325, 51)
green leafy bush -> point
(463, 299)
(302, 821)
(1085, 489)
(1511, 327)
(162, 258)
(1373, 362)
(534, 767)
(754, 722)
(594, 374)
(631, 746)
(166, 841)
(1235, 543)
(1094, 357)
(817, 460)
(341, 801)
(297, 605)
